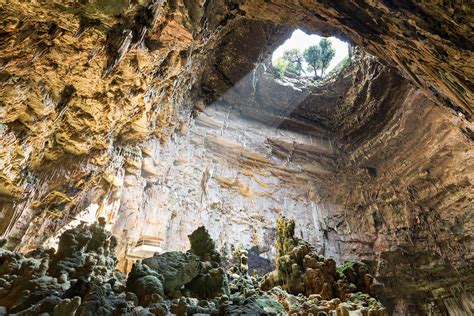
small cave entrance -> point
(310, 56)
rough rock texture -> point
(144, 282)
(77, 80)
(381, 128)
(90, 89)
(80, 277)
(301, 270)
(227, 180)
(26, 289)
(211, 278)
(430, 42)
(177, 269)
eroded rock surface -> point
(79, 277)
(165, 283)
(177, 269)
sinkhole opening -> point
(310, 56)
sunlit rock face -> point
(77, 79)
(225, 173)
(374, 164)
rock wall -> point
(232, 173)
(82, 280)
(429, 42)
(222, 174)
(77, 80)
(384, 177)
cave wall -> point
(77, 81)
(396, 147)
(225, 179)
(430, 42)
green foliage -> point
(319, 56)
(295, 61)
(281, 64)
(312, 56)
(327, 54)
(342, 268)
(350, 267)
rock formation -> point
(171, 282)
(163, 115)
(80, 277)
(210, 280)
(301, 270)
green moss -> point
(343, 268)
(271, 306)
(106, 7)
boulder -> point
(175, 267)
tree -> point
(327, 54)
(312, 56)
(319, 56)
(281, 64)
(316, 58)
(295, 61)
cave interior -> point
(154, 162)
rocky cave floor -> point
(80, 279)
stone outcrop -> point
(211, 278)
(79, 277)
(176, 268)
(163, 284)
(301, 271)
(145, 282)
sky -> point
(301, 40)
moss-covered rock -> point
(211, 278)
(299, 269)
(356, 274)
(144, 282)
(319, 284)
(176, 268)
(203, 246)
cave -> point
(154, 161)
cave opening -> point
(256, 149)
(302, 54)
(261, 149)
